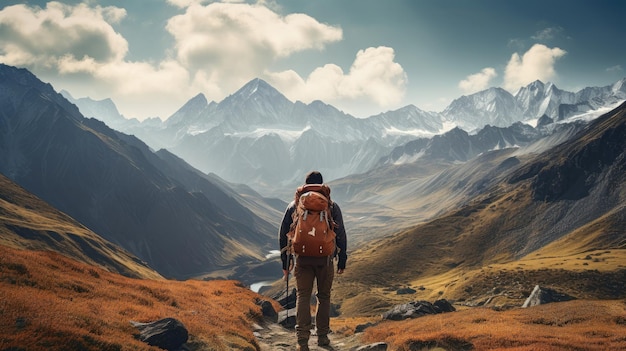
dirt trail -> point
(274, 337)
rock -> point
(540, 296)
(379, 346)
(168, 333)
(287, 300)
(335, 310)
(405, 291)
(267, 309)
(416, 309)
(443, 306)
(287, 318)
(361, 327)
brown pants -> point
(307, 271)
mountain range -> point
(185, 222)
(476, 205)
(258, 137)
(153, 204)
(507, 220)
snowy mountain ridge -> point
(259, 137)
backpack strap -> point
(318, 188)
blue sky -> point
(361, 56)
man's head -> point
(314, 177)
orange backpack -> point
(312, 232)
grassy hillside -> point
(557, 219)
(572, 326)
(30, 223)
(50, 302)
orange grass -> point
(50, 302)
(574, 325)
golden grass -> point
(50, 302)
(574, 325)
(27, 222)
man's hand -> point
(285, 274)
(339, 271)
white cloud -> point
(536, 64)
(477, 81)
(229, 44)
(616, 68)
(47, 38)
(218, 48)
(547, 34)
(373, 77)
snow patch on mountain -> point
(286, 135)
(257, 136)
(591, 115)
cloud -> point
(217, 48)
(48, 38)
(616, 68)
(186, 3)
(229, 44)
(477, 81)
(536, 64)
(373, 77)
(548, 34)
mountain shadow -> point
(28, 223)
(116, 186)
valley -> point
(97, 226)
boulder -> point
(405, 291)
(417, 309)
(267, 309)
(287, 318)
(443, 305)
(540, 296)
(287, 300)
(168, 333)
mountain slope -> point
(51, 302)
(427, 177)
(113, 184)
(26, 222)
(573, 194)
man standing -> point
(310, 269)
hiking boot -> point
(323, 340)
(302, 347)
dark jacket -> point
(340, 231)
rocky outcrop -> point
(417, 309)
(168, 334)
(540, 296)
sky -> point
(364, 57)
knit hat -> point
(314, 177)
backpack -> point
(312, 232)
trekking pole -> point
(287, 280)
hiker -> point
(312, 267)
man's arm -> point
(342, 240)
(282, 235)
